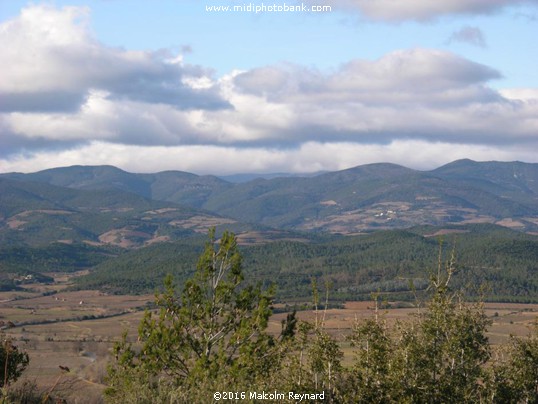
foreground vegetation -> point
(212, 337)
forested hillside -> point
(363, 198)
(209, 341)
(501, 260)
(130, 230)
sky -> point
(320, 85)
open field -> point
(76, 330)
(61, 330)
(507, 318)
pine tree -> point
(211, 336)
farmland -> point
(77, 330)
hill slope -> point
(37, 214)
(503, 260)
(364, 198)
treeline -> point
(392, 262)
(212, 338)
(58, 257)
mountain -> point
(37, 214)
(172, 186)
(246, 177)
(511, 180)
(359, 199)
(131, 229)
(385, 196)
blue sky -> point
(165, 84)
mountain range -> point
(104, 203)
(365, 229)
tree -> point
(515, 379)
(12, 362)
(437, 357)
(441, 358)
(213, 337)
(213, 334)
(371, 379)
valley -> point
(84, 249)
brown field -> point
(201, 224)
(84, 345)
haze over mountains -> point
(107, 204)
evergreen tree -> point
(371, 378)
(213, 336)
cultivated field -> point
(77, 330)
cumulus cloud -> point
(421, 10)
(51, 63)
(521, 94)
(419, 93)
(469, 35)
(415, 74)
(67, 99)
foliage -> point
(213, 334)
(314, 363)
(28, 392)
(383, 262)
(438, 357)
(213, 337)
(370, 377)
(13, 362)
(515, 377)
(55, 257)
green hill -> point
(503, 260)
(364, 198)
(37, 214)
(130, 230)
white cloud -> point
(521, 94)
(421, 10)
(418, 93)
(409, 73)
(51, 63)
(222, 160)
(72, 100)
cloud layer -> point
(68, 99)
(421, 10)
(222, 160)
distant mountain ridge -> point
(172, 186)
(129, 230)
(363, 198)
(37, 214)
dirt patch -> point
(328, 203)
(124, 237)
(510, 223)
(264, 237)
(14, 224)
(160, 211)
(201, 224)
